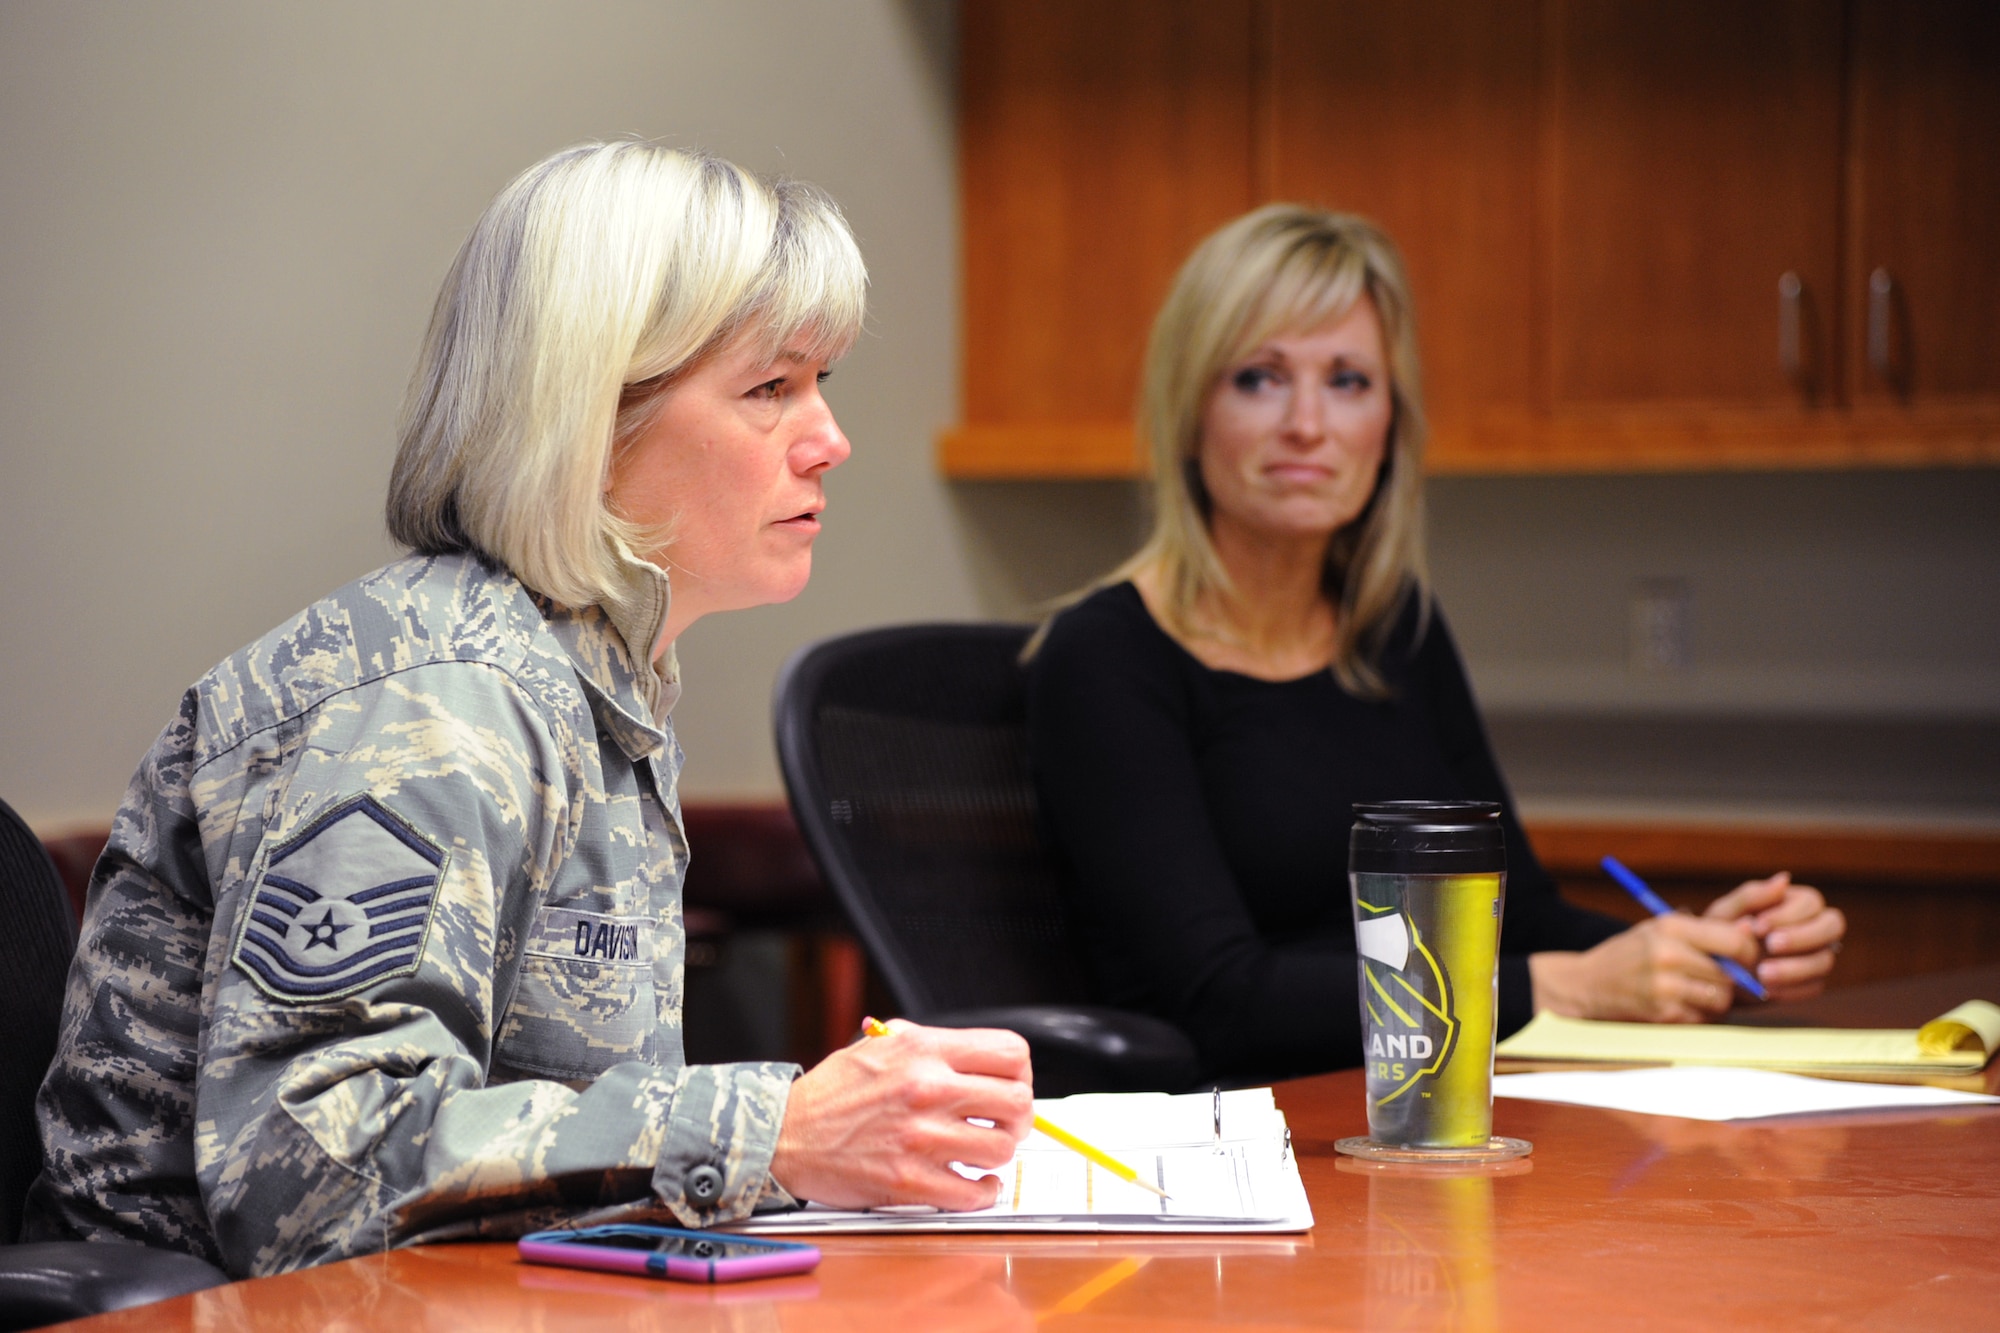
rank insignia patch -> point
(342, 905)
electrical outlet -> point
(1660, 624)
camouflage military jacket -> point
(386, 947)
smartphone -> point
(684, 1256)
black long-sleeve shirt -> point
(1203, 820)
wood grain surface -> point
(1617, 1221)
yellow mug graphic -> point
(1407, 997)
(1428, 1044)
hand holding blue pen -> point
(1657, 905)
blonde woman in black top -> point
(1203, 721)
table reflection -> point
(1430, 1246)
(455, 1288)
(1792, 1154)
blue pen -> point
(1657, 905)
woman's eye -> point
(823, 376)
(1351, 379)
(1252, 378)
(769, 388)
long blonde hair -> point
(598, 276)
(1283, 267)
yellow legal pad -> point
(1960, 1042)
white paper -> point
(1246, 1181)
(1159, 1119)
(1706, 1092)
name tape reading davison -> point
(563, 932)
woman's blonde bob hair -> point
(1283, 268)
(589, 284)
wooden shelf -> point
(1667, 438)
(1890, 856)
(1620, 440)
(1080, 452)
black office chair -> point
(47, 1282)
(905, 754)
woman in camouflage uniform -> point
(387, 945)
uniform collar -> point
(630, 695)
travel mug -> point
(1428, 880)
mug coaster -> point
(1497, 1149)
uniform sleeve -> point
(1538, 917)
(116, 1109)
(1159, 907)
(374, 933)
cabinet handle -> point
(1791, 328)
(1881, 294)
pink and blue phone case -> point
(573, 1249)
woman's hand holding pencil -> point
(875, 1027)
(1768, 937)
(880, 1122)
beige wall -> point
(221, 227)
(1843, 628)
(222, 224)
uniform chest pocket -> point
(585, 998)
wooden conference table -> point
(1617, 1221)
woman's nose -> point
(823, 446)
(1305, 415)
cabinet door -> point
(1925, 196)
(1693, 154)
(1098, 143)
(1422, 117)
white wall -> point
(1824, 594)
(221, 228)
(1843, 636)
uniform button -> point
(704, 1183)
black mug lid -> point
(1429, 814)
(1427, 837)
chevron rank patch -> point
(344, 904)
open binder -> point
(1242, 1180)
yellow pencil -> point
(876, 1028)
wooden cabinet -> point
(1100, 142)
(1641, 235)
(1924, 179)
(1422, 117)
(1693, 159)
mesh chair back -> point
(40, 935)
(905, 754)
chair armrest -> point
(1089, 1048)
(49, 1281)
